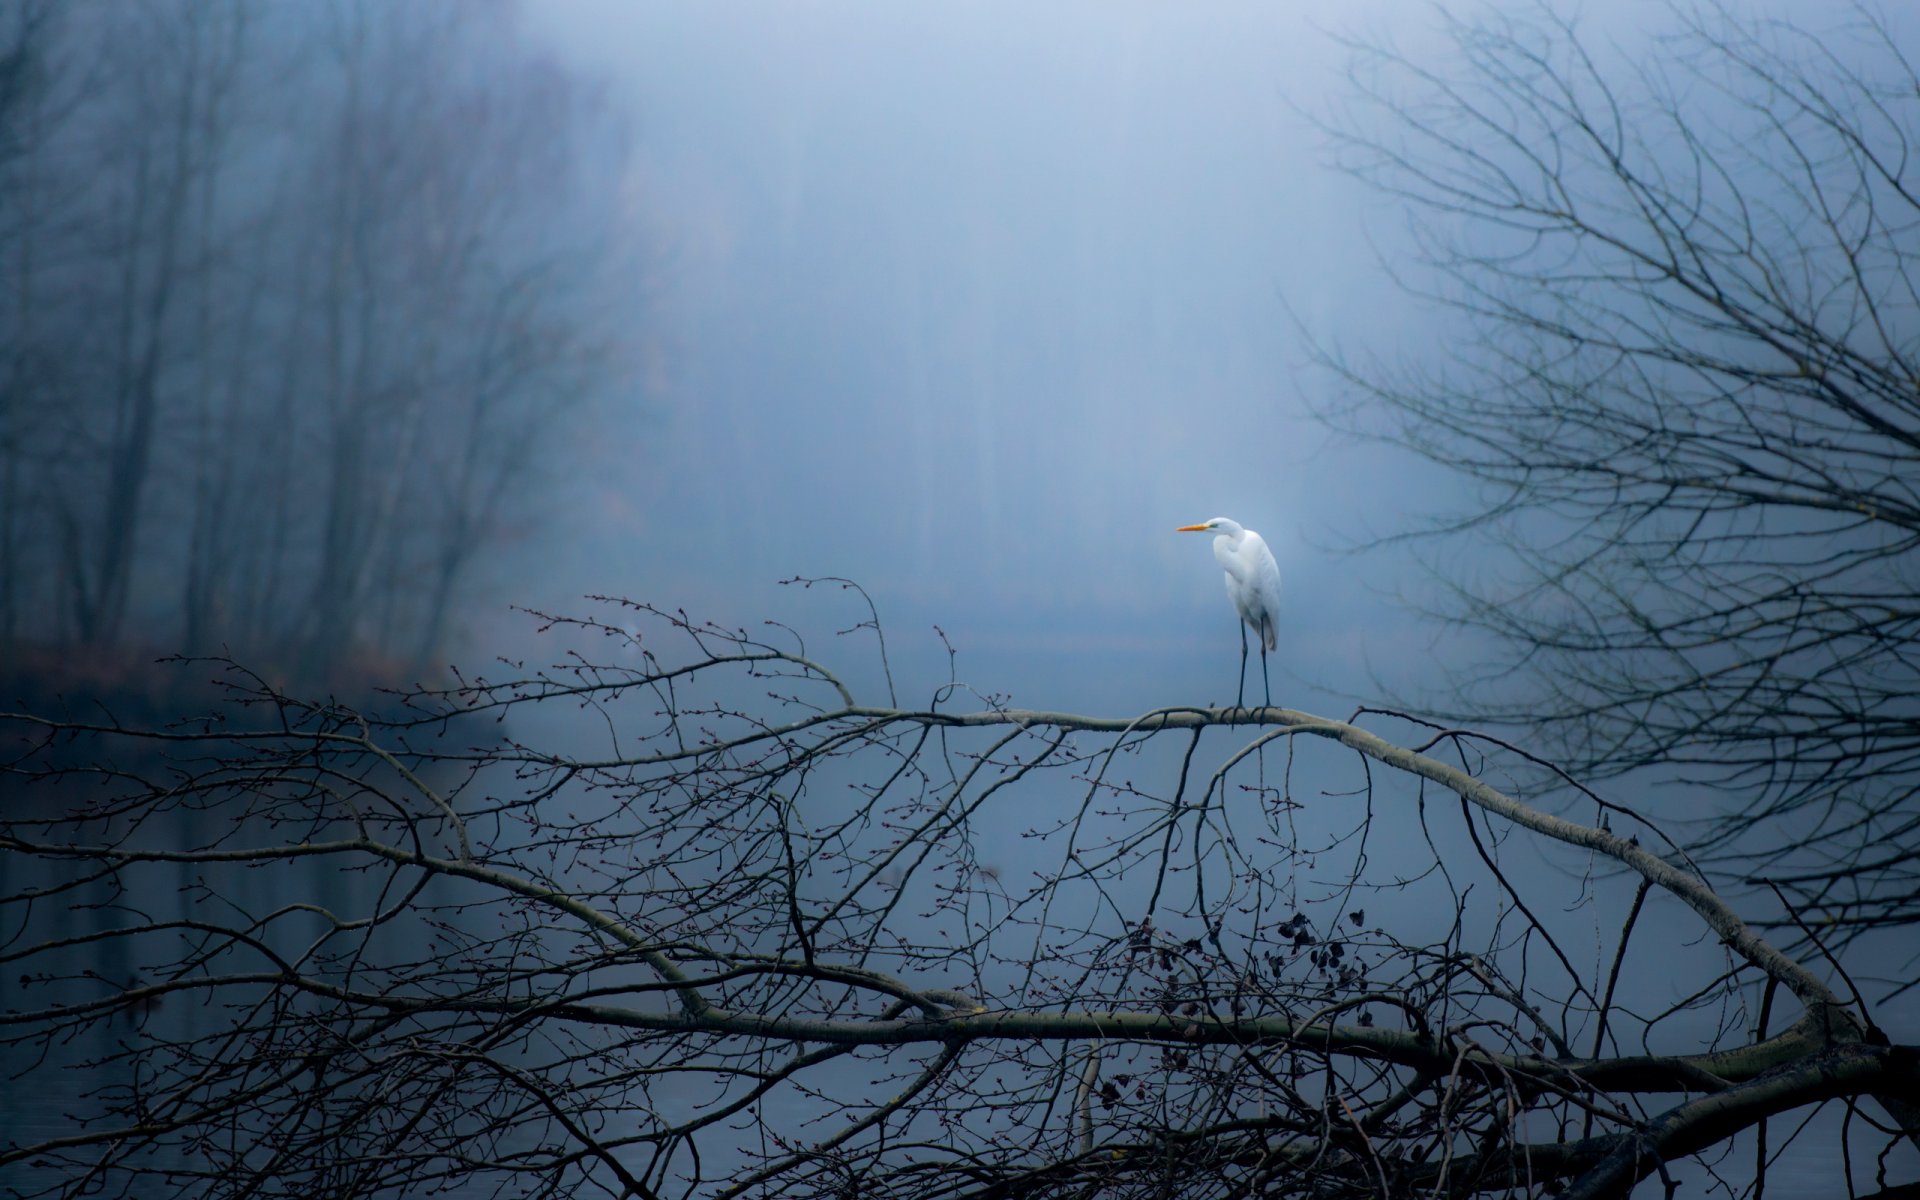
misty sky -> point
(976, 303)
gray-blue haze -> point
(974, 307)
(976, 303)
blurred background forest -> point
(331, 330)
(300, 303)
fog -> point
(975, 306)
(970, 304)
(491, 306)
(439, 311)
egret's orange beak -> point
(1191, 529)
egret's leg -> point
(1240, 694)
(1264, 685)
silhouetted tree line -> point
(297, 302)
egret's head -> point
(1218, 525)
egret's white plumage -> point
(1253, 584)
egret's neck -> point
(1226, 547)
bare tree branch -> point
(733, 940)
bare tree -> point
(23, 89)
(1684, 370)
(300, 299)
(732, 931)
(458, 269)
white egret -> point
(1253, 584)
